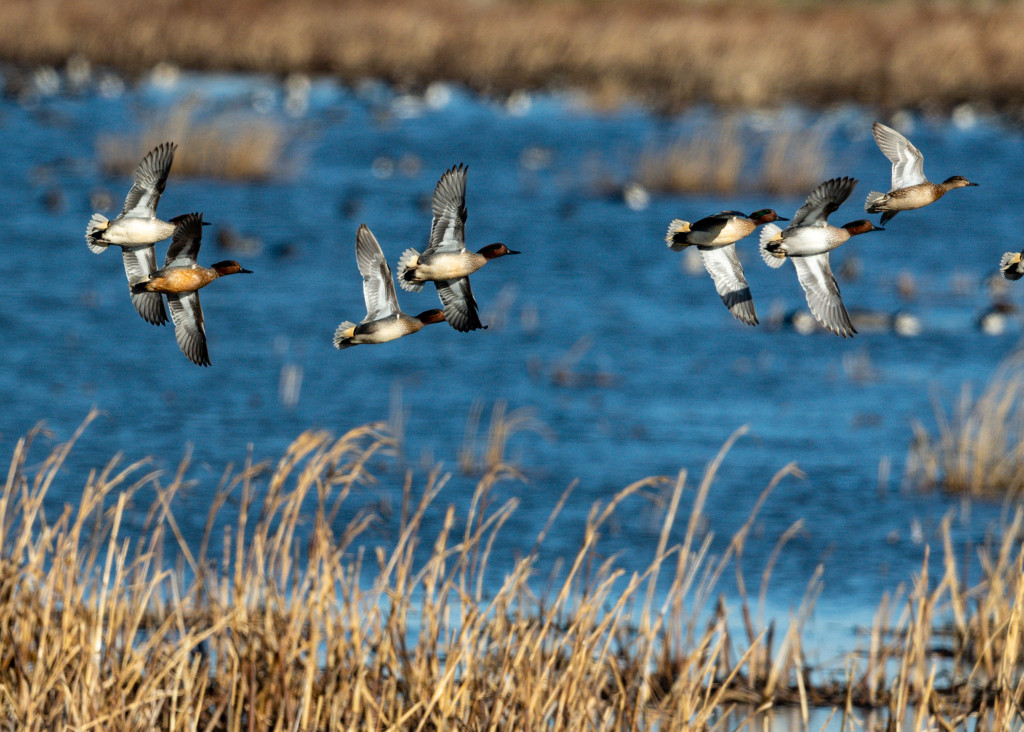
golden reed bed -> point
(668, 54)
(277, 620)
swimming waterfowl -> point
(807, 241)
(1011, 265)
(446, 262)
(180, 279)
(910, 189)
(715, 237)
(137, 229)
(384, 320)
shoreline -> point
(889, 55)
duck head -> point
(957, 181)
(765, 216)
(229, 266)
(861, 226)
(431, 316)
(493, 251)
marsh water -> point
(625, 358)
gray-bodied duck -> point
(715, 237)
(180, 279)
(446, 261)
(384, 320)
(807, 241)
(910, 189)
(137, 229)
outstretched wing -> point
(822, 293)
(138, 264)
(150, 179)
(378, 287)
(823, 200)
(724, 267)
(189, 328)
(460, 308)
(448, 228)
(185, 241)
(907, 161)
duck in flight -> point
(180, 279)
(910, 189)
(136, 229)
(807, 241)
(715, 237)
(446, 262)
(384, 320)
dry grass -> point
(229, 147)
(283, 619)
(725, 159)
(979, 449)
(668, 54)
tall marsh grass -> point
(979, 445)
(286, 617)
(725, 159)
(228, 147)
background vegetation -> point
(669, 54)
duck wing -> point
(185, 241)
(823, 200)
(907, 160)
(448, 228)
(724, 267)
(822, 293)
(139, 263)
(460, 308)
(189, 328)
(150, 179)
(378, 287)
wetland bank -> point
(346, 546)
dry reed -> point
(668, 54)
(979, 448)
(724, 160)
(284, 617)
(228, 147)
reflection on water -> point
(627, 360)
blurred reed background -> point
(669, 54)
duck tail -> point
(675, 237)
(343, 335)
(407, 265)
(94, 231)
(872, 201)
(1010, 266)
(139, 286)
(771, 251)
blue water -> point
(661, 374)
